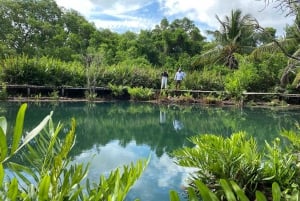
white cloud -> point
(118, 9)
(161, 172)
(201, 12)
(104, 159)
(205, 11)
(83, 8)
(129, 23)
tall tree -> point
(147, 46)
(265, 37)
(288, 45)
(78, 31)
(176, 40)
(234, 36)
(41, 28)
(28, 26)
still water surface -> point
(113, 134)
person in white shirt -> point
(177, 125)
(179, 77)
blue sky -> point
(133, 15)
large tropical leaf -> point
(18, 129)
(3, 124)
(35, 131)
(274, 47)
(3, 145)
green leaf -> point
(227, 190)
(192, 194)
(3, 145)
(276, 193)
(3, 124)
(44, 188)
(2, 173)
(239, 192)
(35, 131)
(13, 190)
(18, 128)
(174, 196)
(23, 172)
(206, 194)
(260, 196)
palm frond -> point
(210, 56)
(273, 47)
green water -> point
(110, 135)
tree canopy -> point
(39, 28)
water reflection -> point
(177, 124)
(160, 176)
(162, 116)
(110, 135)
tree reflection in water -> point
(110, 134)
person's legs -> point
(166, 82)
(163, 82)
(177, 84)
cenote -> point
(112, 134)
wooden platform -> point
(79, 92)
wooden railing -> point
(79, 92)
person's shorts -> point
(178, 81)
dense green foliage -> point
(41, 28)
(42, 71)
(45, 171)
(232, 167)
(42, 44)
(233, 192)
(238, 158)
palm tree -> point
(234, 36)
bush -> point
(269, 67)
(49, 175)
(140, 93)
(238, 159)
(133, 76)
(41, 71)
(241, 80)
(207, 79)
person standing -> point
(179, 77)
(164, 80)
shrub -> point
(49, 175)
(232, 192)
(238, 159)
(140, 93)
(133, 76)
(270, 67)
(207, 79)
(241, 80)
(41, 71)
(235, 158)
